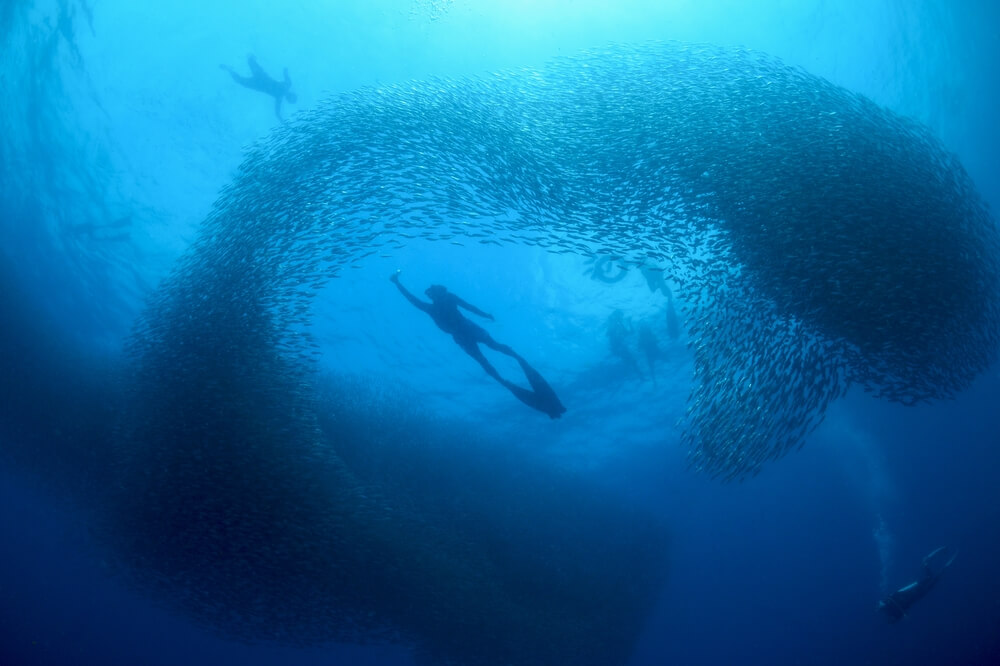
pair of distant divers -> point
(444, 310)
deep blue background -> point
(781, 569)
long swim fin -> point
(541, 397)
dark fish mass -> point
(819, 242)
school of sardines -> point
(820, 242)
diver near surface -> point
(443, 309)
(261, 81)
(897, 603)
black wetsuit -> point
(467, 334)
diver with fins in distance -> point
(261, 81)
(444, 310)
(896, 604)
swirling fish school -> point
(820, 241)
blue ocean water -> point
(120, 131)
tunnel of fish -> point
(818, 241)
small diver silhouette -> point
(443, 309)
(897, 603)
(259, 80)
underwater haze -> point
(497, 332)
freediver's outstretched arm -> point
(419, 304)
(473, 309)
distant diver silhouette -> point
(261, 81)
(617, 329)
(443, 309)
(897, 603)
(649, 347)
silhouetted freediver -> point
(261, 81)
(897, 603)
(443, 309)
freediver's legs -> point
(472, 349)
(496, 346)
(255, 69)
(540, 397)
(533, 376)
(928, 564)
